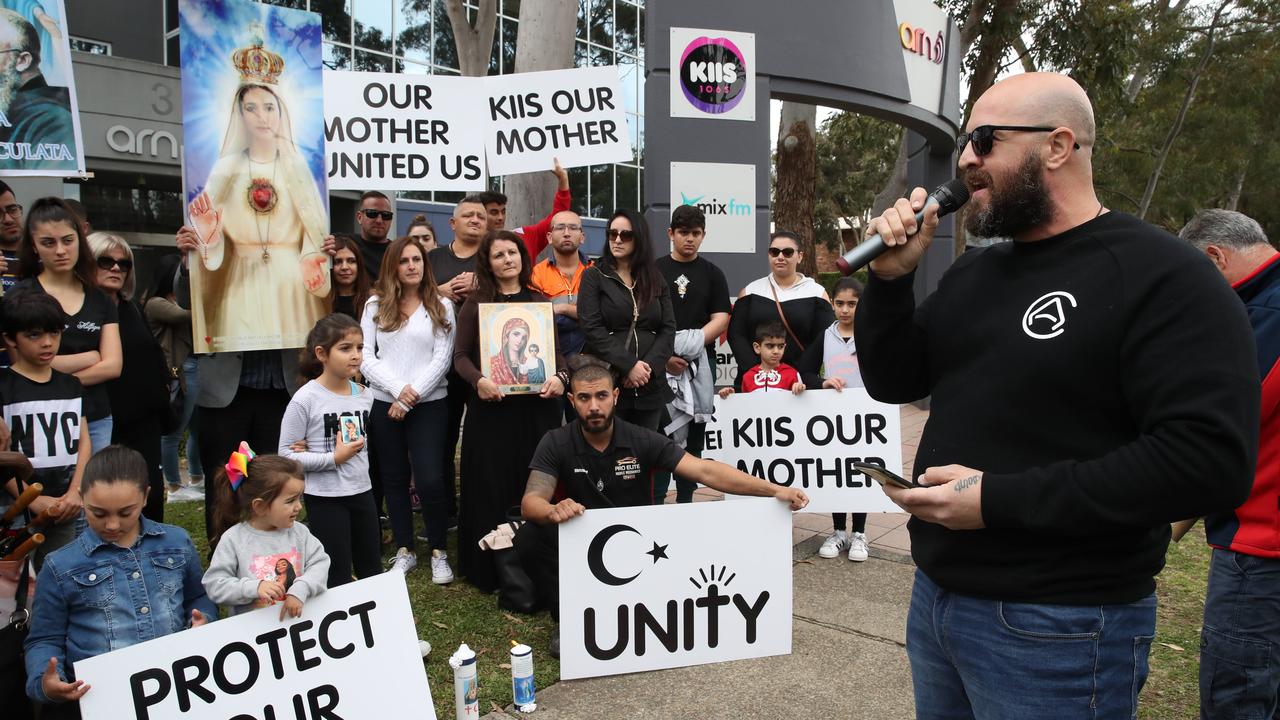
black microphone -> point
(949, 197)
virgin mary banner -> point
(39, 118)
(253, 173)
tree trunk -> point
(475, 42)
(1154, 179)
(545, 42)
(796, 171)
(1237, 188)
(896, 186)
(1163, 15)
(992, 47)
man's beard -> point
(9, 82)
(1014, 209)
(596, 430)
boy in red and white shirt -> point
(771, 373)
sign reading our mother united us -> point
(646, 588)
(810, 441)
(353, 654)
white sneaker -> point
(441, 573)
(834, 545)
(404, 561)
(858, 547)
(185, 494)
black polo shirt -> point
(620, 476)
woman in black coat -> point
(803, 301)
(624, 310)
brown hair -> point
(328, 331)
(265, 480)
(389, 291)
(342, 241)
(486, 289)
(116, 463)
(54, 209)
(421, 220)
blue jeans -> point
(169, 443)
(100, 433)
(974, 658)
(1240, 641)
(413, 447)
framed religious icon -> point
(517, 345)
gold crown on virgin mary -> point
(255, 63)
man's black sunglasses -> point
(374, 214)
(984, 137)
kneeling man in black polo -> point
(599, 461)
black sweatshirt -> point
(1105, 382)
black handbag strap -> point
(18, 620)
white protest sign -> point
(403, 132)
(574, 115)
(663, 586)
(353, 654)
(810, 441)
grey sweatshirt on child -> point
(246, 556)
(318, 415)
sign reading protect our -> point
(726, 194)
(713, 74)
(810, 441)
(647, 588)
(353, 653)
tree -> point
(861, 168)
(474, 40)
(793, 198)
(545, 42)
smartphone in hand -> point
(884, 476)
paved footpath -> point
(848, 656)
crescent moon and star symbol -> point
(595, 555)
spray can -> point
(466, 691)
(522, 687)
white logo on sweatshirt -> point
(1047, 317)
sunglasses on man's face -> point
(984, 137)
(375, 214)
(785, 252)
(109, 263)
(626, 235)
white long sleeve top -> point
(418, 354)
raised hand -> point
(207, 219)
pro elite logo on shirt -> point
(627, 468)
(1047, 317)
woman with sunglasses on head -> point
(784, 295)
(624, 309)
(56, 260)
(421, 230)
(140, 396)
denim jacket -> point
(93, 597)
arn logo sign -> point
(649, 587)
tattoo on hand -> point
(966, 483)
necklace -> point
(567, 279)
(262, 199)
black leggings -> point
(347, 527)
(143, 435)
(859, 521)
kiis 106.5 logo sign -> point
(712, 73)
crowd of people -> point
(1092, 381)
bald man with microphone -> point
(1092, 380)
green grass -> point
(1173, 689)
(446, 617)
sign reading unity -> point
(574, 115)
(811, 441)
(253, 170)
(646, 588)
(353, 654)
(403, 132)
(39, 117)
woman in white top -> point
(408, 335)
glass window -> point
(446, 52)
(372, 62)
(601, 203)
(295, 4)
(450, 197)
(602, 22)
(93, 47)
(495, 52)
(337, 57)
(600, 56)
(511, 8)
(629, 83)
(373, 25)
(508, 33)
(125, 202)
(579, 187)
(170, 15)
(628, 187)
(633, 135)
(413, 29)
(580, 54)
(582, 20)
(335, 17)
(172, 52)
(640, 33)
(412, 68)
(626, 24)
